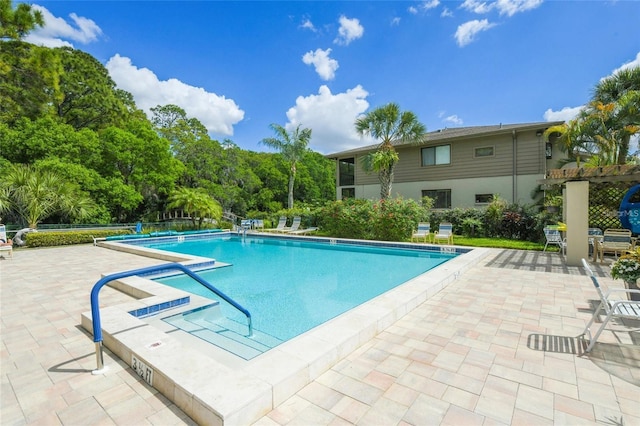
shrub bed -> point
(50, 239)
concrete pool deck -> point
(471, 354)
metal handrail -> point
(95, 306)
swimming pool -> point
(291, 286)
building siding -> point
(512, 170)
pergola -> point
(575, 196)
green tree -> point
(88, 95)
(292, 146)
(31, 195)
(197, 203)
(604, 128)
(29, 80)
(388, 125)
(18, 22)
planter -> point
(632, 285)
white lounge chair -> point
(294, 225)
(445, 232)
(281, 225)
(611, 307)
(304, 231)
(423, 232)
(554, 237)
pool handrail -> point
(95, 306)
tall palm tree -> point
(31, 195)
(293, 147)
(388, 125)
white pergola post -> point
(576, 212)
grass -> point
(498, 243)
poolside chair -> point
(294, 225)
(445, 232)
(553, 236)
(6, 247)
(304, 231)
(281, 225)
(614, 241)
(423, 232)
(258, 225)
(629, 309)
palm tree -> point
(197, 203)
(572, 139)
(615, 111)
(293, 147)
(388, 125)
(32, 195)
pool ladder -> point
(95, 306)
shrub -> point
(386, 220)
(471, 227)
(51, 239)
(396, 219)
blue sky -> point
(239, 66)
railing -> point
(95, 306)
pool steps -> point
(207, 324)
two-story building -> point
(459, 167)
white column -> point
(576, 209)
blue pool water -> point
(292, 286)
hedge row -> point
(50, 239)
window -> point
(485, 151)
(348, 193)
(436, 155)
(346, 170)
(484, 198)
(441, 197)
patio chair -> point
(294, 225)
(281, 225)
(554, 237)
(423, 232)
(6, 247)
(614, 241)
(258, 225)
(445, 232)
(629, 309)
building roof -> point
(459, 133)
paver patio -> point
(497, 346)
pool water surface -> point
(292, 286)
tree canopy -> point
(61, 114)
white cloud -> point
(454, 119)
(631, 64)
(511, 7)
(412, 10)
(58, 32)
(565, 114)
(325, 66)
(395, 21)
(504, 7)
(307, 24)
(477, 7)
(215, 112)
(446, 13)
(430, 4)
(467, 32)
(331, 118)
(350, 29)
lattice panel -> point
(604, 202)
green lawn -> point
(499, 243)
